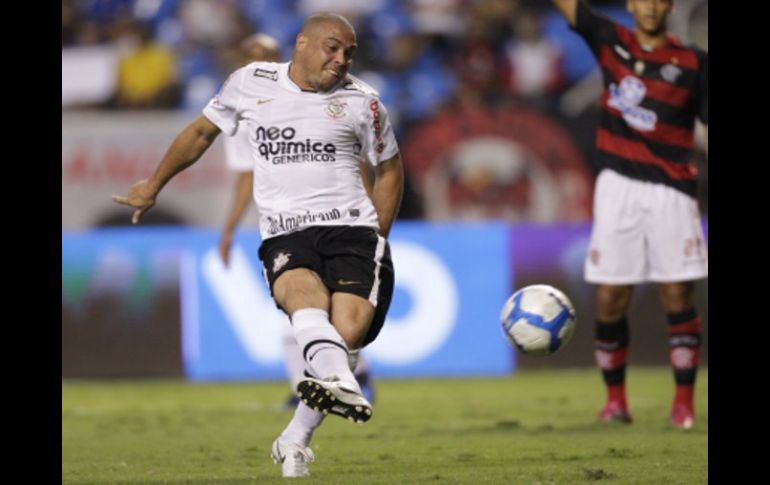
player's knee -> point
(612, 302)
(353, 335)
(677, 297)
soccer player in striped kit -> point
(647, 225)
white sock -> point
(354, 359)
(361, 364)
(321, 345)
(295, 364)
(301, 427)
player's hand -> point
(140, 196)
(225, 242)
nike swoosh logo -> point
(263, 101)
(347, 282)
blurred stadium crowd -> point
(425, 57)
(420, 54)
(494, 102)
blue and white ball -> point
(538, 319)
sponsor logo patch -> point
(626, 97)
(374, 107)
(266, 73)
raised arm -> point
(186, 149)
(568, 8)
(387, 192)
(243, 188)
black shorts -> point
(349, 259)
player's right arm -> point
(243, 189)
(595, 28)
(186, 149)
(568, 8)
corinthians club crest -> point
(335, 109)
(280, 261)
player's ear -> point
(301, 42)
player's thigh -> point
(616, 252)
(360, 264)
(292, 269)
(676, 244)
(300, 288)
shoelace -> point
(304, 454)
(300, 458)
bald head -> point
(319, 19)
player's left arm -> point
(706, 138)
(388, 191)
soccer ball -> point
(538, 319)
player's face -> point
(650, 15)
(327, 54)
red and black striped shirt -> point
(649, 104)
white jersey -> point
(305, 146)
(238, 152)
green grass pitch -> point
(535, 427)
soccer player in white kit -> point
(324, 250)
(262, 47)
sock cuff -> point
(309, 317)
(303, 312)
(683, 324)
(613, 332)
(682, 317)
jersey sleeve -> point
(378, 142)
(594, 27)
(223, 109)
(702, 97)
